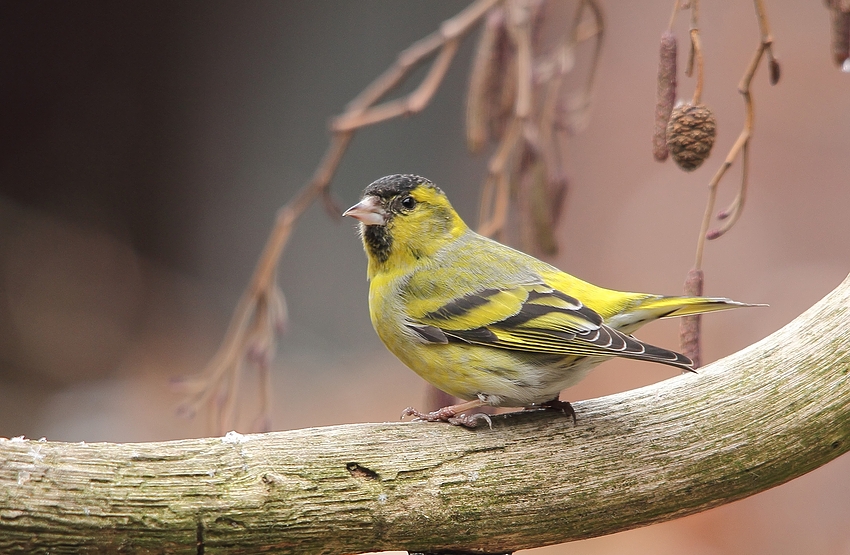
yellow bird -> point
(487, 323)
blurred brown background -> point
(146, 146)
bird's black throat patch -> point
(378, 241)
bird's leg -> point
(453, 414)
(563, 406)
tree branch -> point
(751, 421)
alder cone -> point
(690, 135)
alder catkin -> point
(690, 135)
(666, 94)
(840, 35)
(481, 76)
(689, 327)
(775, 70)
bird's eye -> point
(408, 203)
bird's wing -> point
(532, 317)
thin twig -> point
(520, 30)
(484, 68)
(764, 29)
(413, 103)
(712, 185)
(694, 7)
(696, 50)
(599, 35)
(673, 15)
(361, 112)
(497, 180)
(733, 212)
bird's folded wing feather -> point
(533, 317)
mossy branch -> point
(751, 421)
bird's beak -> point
(369, 211)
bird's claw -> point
(563, 406)
(448, 414)
(471, 420)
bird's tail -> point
(652, 307)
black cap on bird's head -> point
(386, 196)
(393, 185)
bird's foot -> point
(453, 414)
(563, 406)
